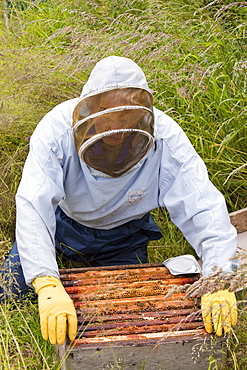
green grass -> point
(21, 344)
(194, 56)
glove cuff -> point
(45, 281)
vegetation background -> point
(194, 57)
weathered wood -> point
(239, 220)
(176, 355)
(137, 324)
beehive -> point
(131, 316)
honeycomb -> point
(114, 303)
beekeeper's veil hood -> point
(113, 119)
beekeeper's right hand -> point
(56, 310)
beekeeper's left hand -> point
(219, 311)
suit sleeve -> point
(195, 206)
(39, 192)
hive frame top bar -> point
(116, 267)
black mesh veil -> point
(113, 129)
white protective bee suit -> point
(61, 170)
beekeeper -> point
(97, 166)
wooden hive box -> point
(127, 320)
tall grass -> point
(21, 344)
(194, 56)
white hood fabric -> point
(171, 175)
(115, 72)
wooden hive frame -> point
(130, 315)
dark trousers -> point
(122, 245)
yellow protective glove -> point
(56, 310)
(219, 311)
